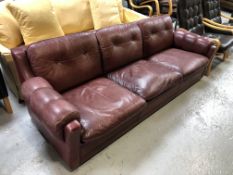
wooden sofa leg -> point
(209, 68)
(225, 55)
(7, 105)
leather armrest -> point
(48, 106)
(192, 42)
(131, 16)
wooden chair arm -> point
(217, 24)
(156, 5)
(170, 11)
(217, 28)
(228, 17)
(216, 42)
(134, 6)
(170, 7)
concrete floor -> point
(192, 135)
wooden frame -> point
(227, 17)
(7, 105)
(170, 7)
(144, 5)
(156, 5)
(226, 53)
(217, 24)
(217, 27)
(209, 68)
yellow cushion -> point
(10, 35)
(132, 16)
(105, 13)
(36, 19)
(121, 10)
(73, 15)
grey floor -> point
(192, 135)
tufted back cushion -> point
(66, 61)
(190, 15)
(211, 9)
(157, 34)
(120, 45)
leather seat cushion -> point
(226, 40)
(183, 61)
(103, 105)
(146, 78)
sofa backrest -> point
(120, 45)
(72, 60)
(190, 14)
(66, 61)
(157, 34)
(212, 10)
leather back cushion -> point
(66, 61)
(211, 10)
(157, 34)
(190, 15)
(120, 45)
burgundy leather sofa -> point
(85, 90)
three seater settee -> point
(85, 90)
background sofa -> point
(193, 21)
(6, 60)
(85, 90)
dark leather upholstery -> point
(97, 108)
(102, 105)
(226, 40)
(3, 90)
(113, 42)
(144, 78)
(69, 59)
(190, 14)
(212, 10)
(183, 61)
(157, 33)
(32, 85)
(48, 105)
(22, 63)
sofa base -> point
(88, 150)
(78, 153)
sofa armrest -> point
(48, 106)
(131, 16)
(192, 42)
